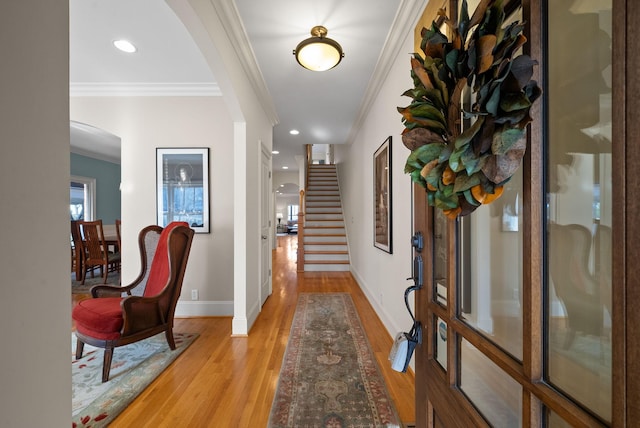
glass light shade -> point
(318, 53)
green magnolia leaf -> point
(440, 84)
(522, 69)
(452, 60)
(454, 160)
(464, 182)
(434, 176)
(474, 164)
(446, 199)
(427, 153)
(417, 178)
(413, 161)
(445, 153)
(426, 110)
(464, 138)
(431, 198)
(494, 101)
(504, 141)
(512, 118)
(463, 27)
(470, 199)
(514, 101)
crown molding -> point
(409, 11)
(144, 90)
(230, 18)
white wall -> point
(35, 297)
(382, 276)
(208, 23)
(144, 124)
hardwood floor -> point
(224, 381)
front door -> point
(265, 224)
(525, 305)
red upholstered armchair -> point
(109, 320)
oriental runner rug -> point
(134, 367)
(329, 375)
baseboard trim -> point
(204, 309)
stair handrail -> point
(301, 211)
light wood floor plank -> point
(224, 381)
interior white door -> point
(265, 225)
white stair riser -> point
(309, 240)
(323, 192)
(315, 247)
(326, 257)
(320, 198)
(318, 231)
(329, 218)
(326, 268)
(322, 205)
(324, 210)
(323, 222)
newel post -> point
(301, 233)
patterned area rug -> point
(329, 376)
(134, 367)
(77, 288)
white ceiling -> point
(323, 106)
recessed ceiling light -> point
(285, 167)
(275, 152)
(294, 132)
(282, 185)
(125, 46)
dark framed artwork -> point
(182, 187)
(382, 197)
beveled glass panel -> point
(440, 334)
(490, 270)
(493, 392)
(555, 421)
(490, 251)
(579, 203)
(440, 257)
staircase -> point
(325, 239)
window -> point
(82, 191)
(293, 213)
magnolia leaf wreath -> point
(463, 170)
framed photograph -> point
(182, 187)
(382, 237)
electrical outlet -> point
(194, 294)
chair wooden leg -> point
(79, 348)
(170, 339)
(106, 365)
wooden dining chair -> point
(77, 250)
(96, 253)
(118, 224)
(119, 249)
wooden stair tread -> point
(324, 234)
(325, 252)
(336, 243)
(326, 262)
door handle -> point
(264, 237)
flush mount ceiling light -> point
(125, 46)
(318, 53)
